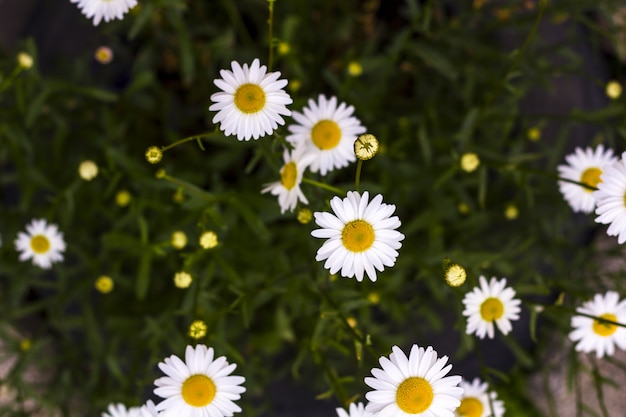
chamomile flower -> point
(120, 410)
(251, 102)
(104, 9)
(611, 199)
(329, 131)
(42, 243)
(199, 387)
(288, 188)
(354, 410)
(592, 334)
(477, 401)
(361, 236)
(490, 303)
(413, 386)
(583, 166)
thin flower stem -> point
(554, 177)
(357, 179)
(597, 383)
(324, 186)
(189, 139)
(270, 22)
(578, 313)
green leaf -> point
(433, 58)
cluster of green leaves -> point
(436, 83)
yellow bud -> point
(104, 284)
(122, 198)
(354, 69)
(455, 275)
(26, 345)
(511, 212)
(104, 55)
(366, 146)
(24, 60)
(463, 208)
(160, 174)
(179, 239)
(208, 240)
(351, 322)
(283, 48)
(88, 170)
(373, 298)
(197, 329)
(534, 134)
(613, 89)
(182, 279)
(295, 85)
(305, 215)
(154, 155)
(469, 162)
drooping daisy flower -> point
(490, 303)
(596, 335)
(586, 167)
(611, 199)
(251, 102)
(354, 410)
(104, 9)
(476, 401)
(361, 236)
(288, 188)
(198, 387)
(42, 243)
(148, 410)
(413, 386)
(120, 410)
(328, 131)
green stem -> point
(357, 179)
(554, 177)
(270, 22)
(324, 186)
(189, 139)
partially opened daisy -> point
(329, 131)
(251, 102)
(120, 410)
(199, 387)
(42, 243)
(490, 303)
(288, 188)
(583, 166)
(361, 235)
(354, 410)
(611, 199)
(104, 9)
(413, 386)
(592, 334)
(477, 401)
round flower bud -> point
(365, 146)
(154, 155)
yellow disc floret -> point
(491, 309)
(470, 407)
(326, 134)
(358, 236)
(591, 176)
(604, 328)
(250, 98)
(414, 395)
(289, 175)
(198, 390)
(40, 244)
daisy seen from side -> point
(120, 410)
(591, 334)
(477, 401)
(104, 9)
(583, 166)
(288, 188)
(611, 199)
(42, 242)
(413, 386)
(199, 387)
(361, 235)
(252, 101)
(490, 303)
(354, 410)
(329, 131)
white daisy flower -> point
(120, 410)
(104, 9)
(288, 188)
(596, 335)
(354, 410)
(198, 387)
(361, 236)
(611, 198)
(490, 303)
(148, 410)
(586, 167)
(413, 386)
(476, 401)
(42, 243)
(329, 132)
(251, 102)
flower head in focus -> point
(43, 243)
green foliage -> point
(435, 84)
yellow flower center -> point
(250, 98)
(470, 407)
(326, 134)
(414, 395)
(358, 236)
(198, 390)
(288, 175)
(591, 176)
(603, 328)
(40, 244)
(491, 309)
